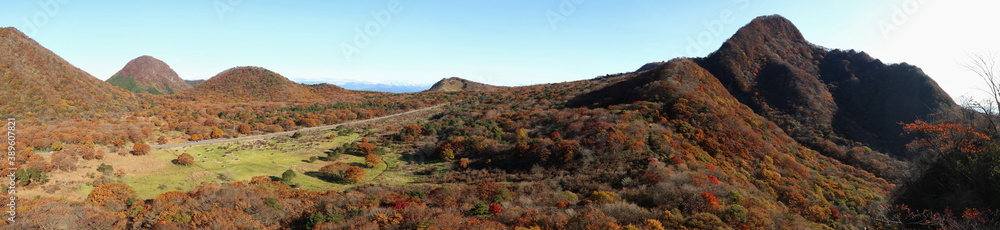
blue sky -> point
(510, 42)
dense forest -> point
(768, 132)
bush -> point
(603, 197)
(416, 194)
(333, 154)
(106, 169)
(287, 176)
(704, 220)
(344, 132)
(315, 220)
(334, 170)
(464, 162)
(111, 194)
(566, 196)
(185, 159)
(31, 176)
(366, 148)
(496, 209)
(196, 137)
(372, 160)
(140, 149)
(480, 210)
(447, 154)
(736, 214)
(626, 213)
(354, 174)
(57, 146)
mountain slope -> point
(37, 82)
(250, 84)
(669, 140)
(455, 84)
(751, 137)
(327, 90)
(829, 100)
(146, 74)
(734, 136)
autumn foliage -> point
(945, 138)
(334, 169)
(765, 133)
(140, 149)
(366, 148)
(372, 160)
(110, 194)
(354, 174)
(185, 159)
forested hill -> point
(250, 84)
(40, 84)
(147, 74)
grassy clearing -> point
(238, 161)
(154, 174)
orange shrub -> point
(366, 148)
(113, 192)
(185, 159)
(371, 160)
(354, 174)
(140, 149)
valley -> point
(770, 131)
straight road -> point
(216, 141)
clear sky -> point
(502, 42)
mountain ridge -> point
(250, 83)
(455, 84)
(820, 96)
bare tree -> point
(984, 65)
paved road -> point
(216, 141)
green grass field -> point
(243, 160)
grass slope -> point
(129, 84)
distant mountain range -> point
(450, 84)
(356, 85)
(373, 86)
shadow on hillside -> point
(327, 178)
(423, 156)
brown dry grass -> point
(67, 184)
